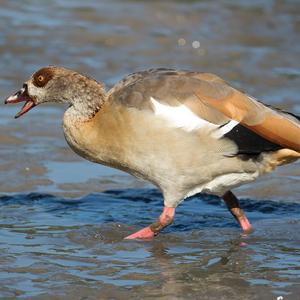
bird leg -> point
(165, 219)
(234, 207)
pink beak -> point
(21, 96)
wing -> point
(191, 100)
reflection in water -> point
(49, 243)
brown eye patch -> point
(42, 77)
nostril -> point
(22, 90)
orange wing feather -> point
(277, 127)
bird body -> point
(179, 163)
(186, 132)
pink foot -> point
(245, 224)
(165, 219)
(145, 233)
(243, 244)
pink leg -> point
(234, 207)
(165, 219)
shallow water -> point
(56, 247)
(75, 248)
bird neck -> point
(88, 99)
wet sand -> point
(65, 241)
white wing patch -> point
(180, 116)
(225, 129)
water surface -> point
(63, 219)
(74, 248)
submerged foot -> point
(165, 219)
(145, 233)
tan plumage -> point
(186, 132)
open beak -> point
(21, 96)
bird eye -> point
(40, 78)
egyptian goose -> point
(186, 132)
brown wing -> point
(274, 125)
(212, 99)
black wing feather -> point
(249, 142)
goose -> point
(185, 132)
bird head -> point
(52, 84)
